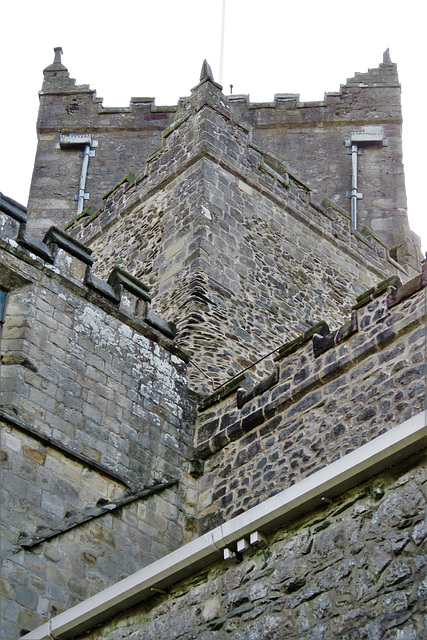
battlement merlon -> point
(384, 74)
(65, 259)
(57, 78)
(128, 136)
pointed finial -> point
(56, 64)
(386, 56)
(206, 72)
(58, 53)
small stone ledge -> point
(244, 396)
(323, 343)
(165, 327)
(101, 287)
(89, 212)
(15, 422)
(225, 390)
(239, 97)
(91, 513)
(13, 209)
(129, 283)
(368, 233)
(19, 359)
(283, 173)
(170, 129)
(369, 239)
(127, 180)
(408, 289)
(36, 246)
(374, 292)
(329, 204)
(321, 328)
(68, 244)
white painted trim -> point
(371, 458)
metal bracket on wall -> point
(87, 145)
(371, 135)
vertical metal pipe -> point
(354, 186)
(83, 175)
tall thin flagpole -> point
(221, 53)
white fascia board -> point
(366, 461)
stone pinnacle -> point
(206, 72)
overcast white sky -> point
(147, 48)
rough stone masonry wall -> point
(234, 253)
(353, 570)
(309, 137)
(125, 136)
(95, 430)
(326, 397)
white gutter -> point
(357, 466)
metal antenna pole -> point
(221, 52)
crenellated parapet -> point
(125, 137)
(66, 257)
(233, 243)
(330, 393)
(308, 137)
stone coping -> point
(13, 208)
(216, 432)
(108, 294)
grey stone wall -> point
(95, 426)
(354, 569)
(234, 249)
(327, 396)
(307, 136)
(99, 462)
(125, 138)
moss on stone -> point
(129, 178)
(86, 213)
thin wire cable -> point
(267, 355)
(221, 49)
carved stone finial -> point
(56, 64)
(58, 54)
(386, 56)
(206, 72)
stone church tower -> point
(213, 369)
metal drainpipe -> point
(353, 194)
(83, 176)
